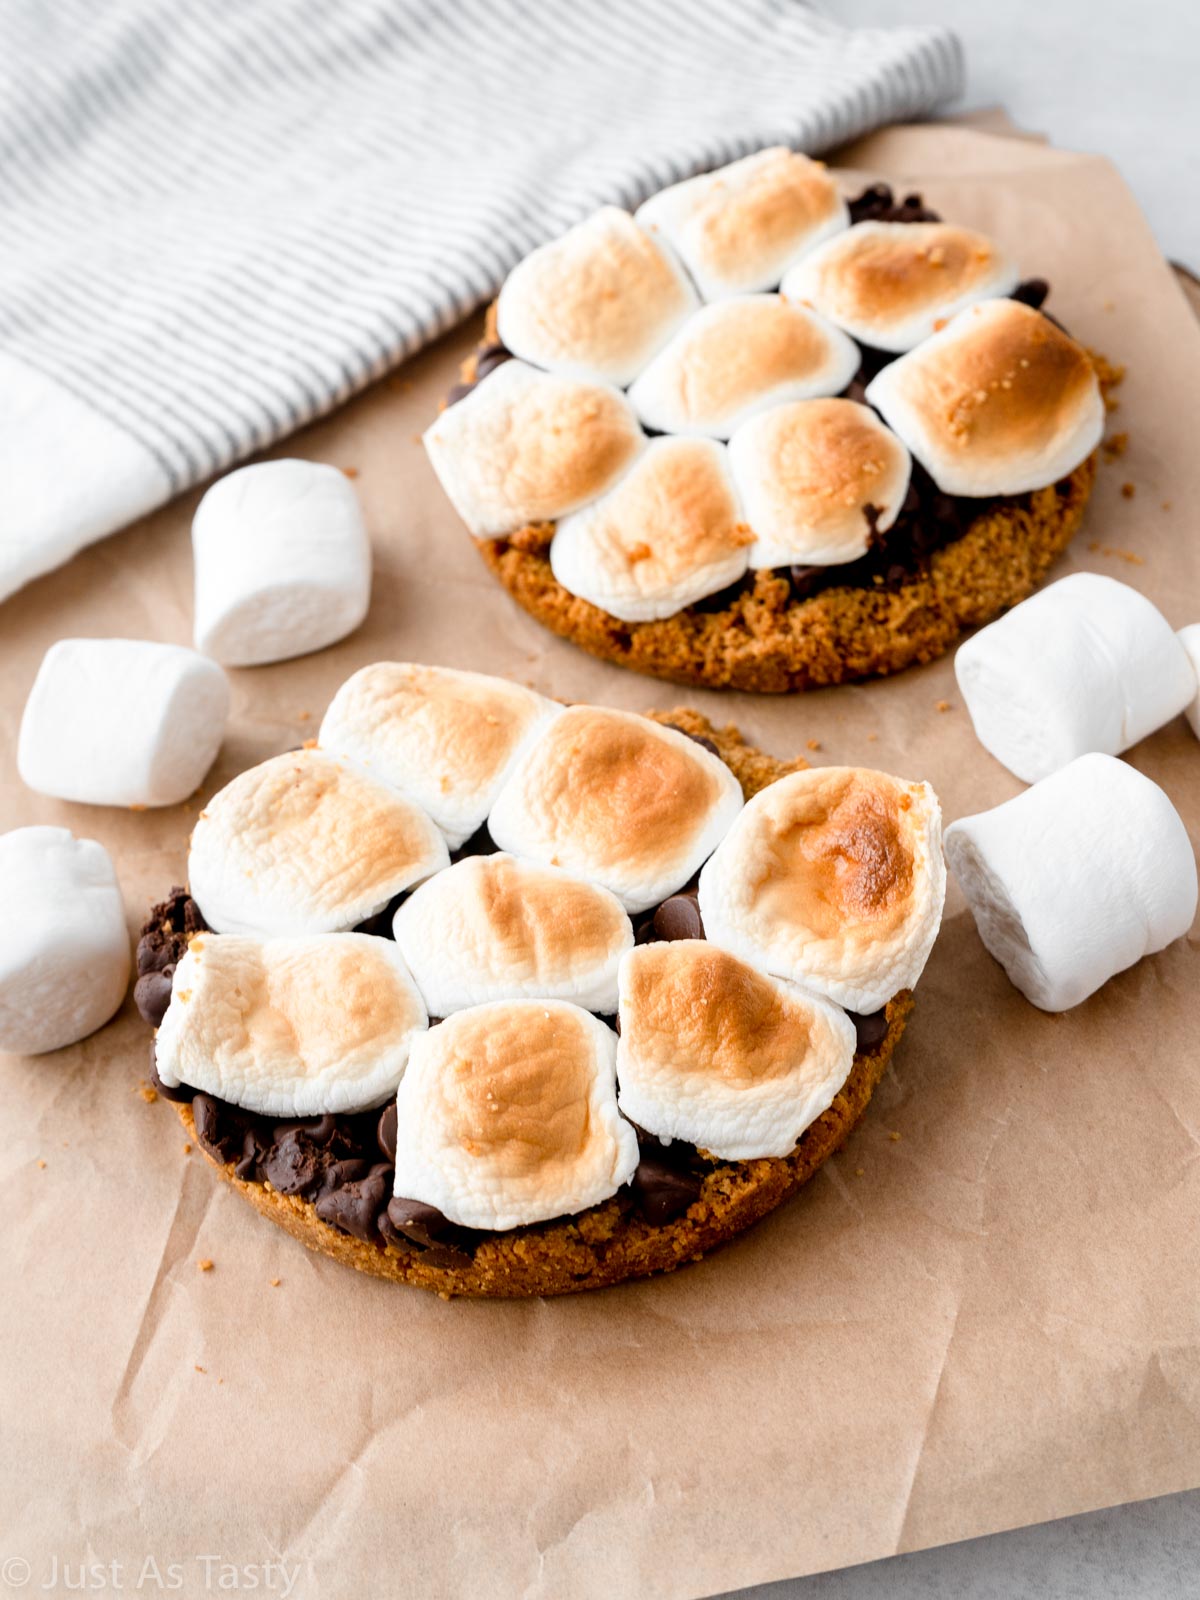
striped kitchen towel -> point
(218, 220)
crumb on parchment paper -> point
(205, 1264)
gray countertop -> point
(1123, 81)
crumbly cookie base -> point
(610, 1243)
(768, 641)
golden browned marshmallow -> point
(305, 843)
(595, 303)
(621, 800)
(527, 446)
(889, 284)
(999, 402)
(444, 738)
(670, 532)
(713, 1052)
(507, 1115)
(814, 478)
(738, 357)
(833, 878)
(740, 228)
(290, 1027)
(495, 928)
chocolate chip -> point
(458, 391)
(179, 1096)
(340, 1173)
(480, 843)
(489, 357)
(696, 738)
(870, 1029)
(254, 1150)
(878, 204)
(317, 1130)
(663, 1192)
(386, 1131)
(679, 918)
(1032, 292)
(294, 1165)
(355, 1206)
(152, 994)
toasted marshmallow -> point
(507, 1115)
(999, 402)
(290, 1027)
(1189, 638)
(1076, 879)
(527, 446)
(736, 358)
(812, 475)
(283, 562)
(889, 284)
(740, 228)
(833, 878)
(1086, 664)
(122, 722)
(621, 800)
(596, 303)
(668, 534)
(713, 1052)
(64, 948)
(305, 843)
(495, 928)
(444, 738)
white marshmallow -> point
(1076, 879)
(739, 229)
(306, 843)
(1189, 638)
(1000, 401)
(508, 1115)
(595, 303)
(712, 1052)
(624, 802)
(735, 358)
(889, 284)
(64, 949)
(122, 722)
(527, 446)
(283, 562)
(808, 471)
(495, 928)
(290, 1027)
(834, 879)
(445, 739)
(668, 534)
(1086, 664)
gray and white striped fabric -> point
(219, 219)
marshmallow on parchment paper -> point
(64, 949)
(122, 722)
(283, 563)
(1189, 638)
(1086, 664)
(1076, 879)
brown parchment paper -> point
(988, 1321)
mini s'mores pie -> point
(889, 284)
(736, 358)
(877, 535)
(408, 1064)
(290, 1027)
(445, 739)
(495, 928)
(507, 1115)
(305, 843)
(738, 230)
(528, 446)
(669, 533)
(713, 1052)
(1076, 879)
(834, 879)
(999, 402)
(819, 480)
(622, 801)
(596, 303)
